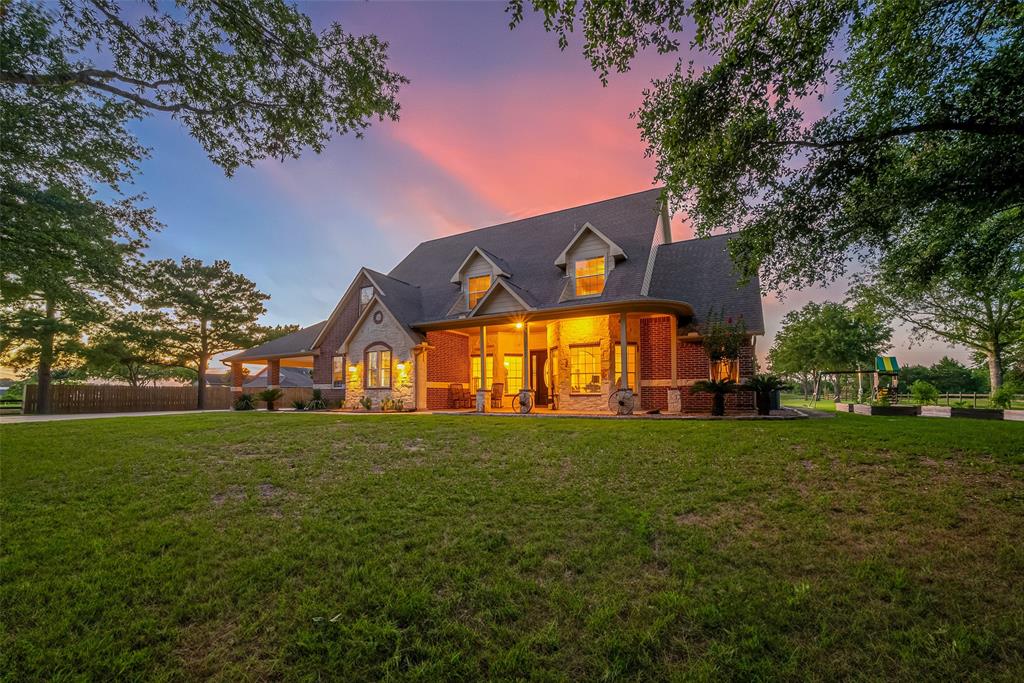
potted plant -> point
(718, 390)
(268, 396)
(763, 385)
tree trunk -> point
(995, 367)
(817, 386)
(45, 364)
(201, 396)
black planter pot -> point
(764, 403)
(718, 404)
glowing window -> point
(630, 369)
(475, 371)
(378, 369)
(338, 370)
(477, 287)
(725, 369)
(589, 274)
(513, 374)
(365, 294)
(585, 369)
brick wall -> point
(655, 361)
(694, 365)
(447, 363)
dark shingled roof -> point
(529, 247)
(401, 298)
(701, 273)
(295, 343)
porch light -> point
(401, 367)
(353, 369)
(519, 325)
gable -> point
(589, 242)
(377, 323)
(500, 301)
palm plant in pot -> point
(268, 396)
(718, 388)
(763, 385)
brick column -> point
(236, 377)
(273, 374)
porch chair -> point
(458, 396)
(497, 395)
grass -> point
(257, 546)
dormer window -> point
(365, 295)
(589, 276)
(476, 287)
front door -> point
(537, 379)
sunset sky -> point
(495, 125)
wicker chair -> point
(497, 395)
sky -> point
(495, 125)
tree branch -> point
(976, 127)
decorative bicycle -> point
(622, 402)
(523, 402)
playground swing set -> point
(885, 379)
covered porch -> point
(570, 361)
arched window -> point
(378, 366)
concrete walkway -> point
(17, 419)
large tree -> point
(927, 136)
(204, 310)
(828, 337)
(247, 79)
(975, 305)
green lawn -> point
(256, 546)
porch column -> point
(526, 356)
(273, 374)
(675, 398)
(481, 393)
(420, 376)
(236, 377)
(623, 353)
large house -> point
(550, 300)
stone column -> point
(524, 391)
(623, 353)
(273, 374)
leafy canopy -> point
(927, 141)
(248, 80)
(826, 337)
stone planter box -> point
(865, 409)
(978, 413)
(1017, 415)
(844, 407)
(936, 411)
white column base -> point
(482, 400)
(675, 400)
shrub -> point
(366, 402)
(268, 396)
(317, 402)
(299, 404)
(245, 402)
(924, 393)
(763, 385)
(1003, 396)
(718, 389)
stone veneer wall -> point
(563, 335)
(388, 332)
(447, 363)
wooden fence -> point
(110, 398)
